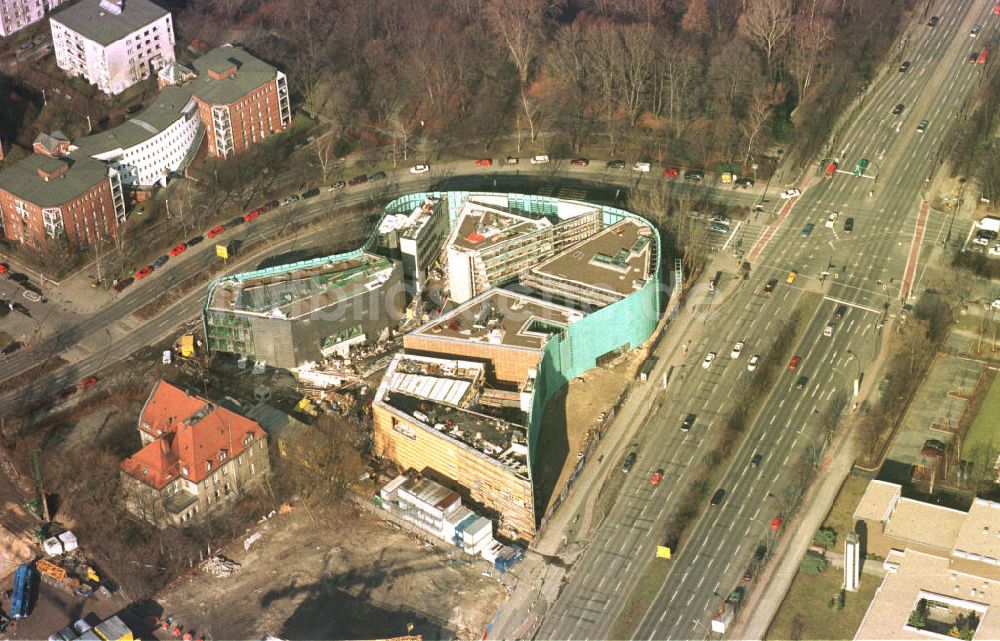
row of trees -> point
(690, 81)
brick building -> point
(48, 195)
(241, 99)
(197, 458)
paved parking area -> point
(938, 406)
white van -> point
(540, 160)
(641, 166)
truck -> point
(831, 169)
(860, 166)
(989, 223)
(20, 596)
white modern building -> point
(113, 43)
(439, 511)
(147, 148)
(18, 14)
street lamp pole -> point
(812, 447)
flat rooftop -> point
(877, 502)
(502, 317)
(300, 290)
(409, 225)
(979, 537)
(616, 260)
(924, 523)
(442, 395)
(481, 226)
(96, 19)
(914, 575)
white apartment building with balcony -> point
(113, 43)
(18, 14)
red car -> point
(357, 180)
(776, 523)
(215, 231)
(671, 172)
(484, 162)
(3, 268)
(87, 383)
(932, 452)
(657, 477)
(996, 9)
(579, 162)
(251, 215)
(178, 250)
(794, 363)
(145, 271)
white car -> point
(420, 169)
(708, 360)
(737, 350)
(540, 160)
(996, 304)
(828, 330)
(287, 200)
(752, 365)
(790, 193)
(832, 218)
(642, 166)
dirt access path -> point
(335, 573)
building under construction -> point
(306, 311)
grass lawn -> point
(841, 516)
(982, 434)
(805, 613)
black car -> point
(311, 193)
(18, 277)
(903, 67)
(933, 442)
(120, 286)
(236, 222)
(933, 22)
(717, 497)
(973, 57)
(12, 347)
(694, 174)
(340, 184)
(746, 183)
(848, 225)
(616, 164)
(161, 261)
(18, 307)
(629, 462)
(357, 180)
(898, 109)
(840, 311)
(688, 422)
(757, 458)
(194, 241)
(799, 384)
(378, 175)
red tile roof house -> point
(197, 458)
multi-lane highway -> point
(863, 269)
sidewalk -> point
(540, 577)
(764, 601)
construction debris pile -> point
(220, 567)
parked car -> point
(656, 478)
(12, 347)
(745, 183)
(340, 184)
(922, 126)
(287, 200)
(3, 268)
(616, 164)
(378, 175)
(122, 283)
(799, 384)
(807, 229)
(671, 172)
(579, 162)
(794, 363)
(641, 166)
(903, 67)
(770, 285)
(268, 206)
(973, 57)
(737, 350)
(510, 160)
(310, 193)
(933, 22)
(709, 359)
(720, 228)
(357, 180)
(931, 452)
(848, 225)
(161, 261)
(828, 330)
(752, 365)
(840, 311)
(694, 174)
(790, 193)
(898, 109)
(484, 162)
(832, 218)
(420, 169)
(792, 275)
(236, 222)
(194, 241)
(717, 498)
(145, 271)
(756, 460)
(974, 33)
(213, 232)
(87, 382)
(688, 422)
(251, 215)
(629, 462)
(776, 523)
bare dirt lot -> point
(335, 573)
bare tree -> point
(758, 113)
(810, 39)
(697, 18)
(637, 66)
(766, 24)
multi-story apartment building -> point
(242, 99)
(18, 14)
(197, 457)
(112, 43)
(48, 195)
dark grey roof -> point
(92, 21)
(251, 73)
(23, 181)
(153, 120)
